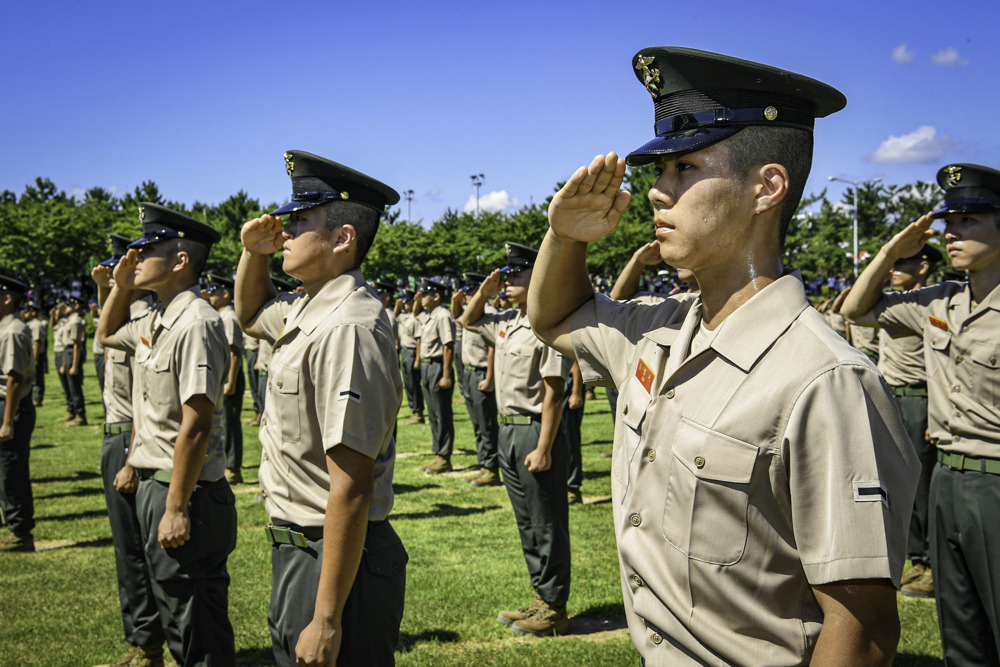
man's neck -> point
(983, 282)
(725, 291)
(167, 293)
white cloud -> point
(949, 58)
(491, 201)
(77, 192)
(434, 193)
(923, 145)
(903, 55)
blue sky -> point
(204, 97)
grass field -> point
(59, 606)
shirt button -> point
(265, 457)
(957, 389)
(651, 455)
(699, 461)
(957, 438)
(637, 579)
(965, 329)
(959, 359)
(993, 361)
(657, 638)
(625, 410)
(280, 385)
(670, 392)
(635, 519)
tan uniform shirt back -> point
(437, 331)
(521, 362)
(17, 354)
(234, 334)
(865, 339)
(409, 328)
(772, 461)
(251, 343)
(475, 349)
(39, 332)
(118, 376)
(836, 322)
(333, 380)
(75, 332)
(901, 360)
(59, 335)
(962, 358)
(180, 352)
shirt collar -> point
(178, 306)
(325, 301)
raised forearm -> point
(253, 287)
(559, 284)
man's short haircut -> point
(792, 148)
(364, 219)
(197, 254)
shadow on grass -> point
(910, 660)
(408, 641)
(33, 447)
(400, 489)
(53, 545)
(598, 442)
(72, 494)
(596, 474)
(255, 657)
(79, 515)
(78, 476)
(445, 510)
(599, 618)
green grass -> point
(59, 606)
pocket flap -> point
(938, 339)
(286, 381)
(387, 562)
(985, 355)
(636, 401)
(714, 456)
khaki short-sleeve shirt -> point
(475, 349)
(180, 352)
(333, 380)
(409, 328)
(901, 360)
(436, 331)
(521, 362)
(251, 343)
(234, 334)
(773, 460)
(865, 339)
(17, 354)
(58, 335)
(962, 359)
(118, 376)
(76, 331)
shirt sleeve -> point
(446, 327)
(16, 355)
(904, 313)
(271, 318)
(852, 476)
(129, 334)
(489, 325)
(202, 360)
(356, 398)
(552, 364)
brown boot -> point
(18, 542)
(510, 617)
(474, 472)
(574, 497)
(234, 476)
(922, 587)
(441, 464)
(255, 421)
(548, 619)
(487, 478)
(66, 417)
(415, 418)
(140, 656)
(912, 574)
(79, 420)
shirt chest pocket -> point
(633, 404)
(284, 387)
(708, 494)
(983, 372)
(160, 385)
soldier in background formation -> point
(17, 419)
(40, 339)
(176, 463)
(411, 319)
(140, 616)
(435, 355)
(959, 323)
(74, 343)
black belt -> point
(430, 359)
(476, 368)
(911, 390)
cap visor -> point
(677, 143)
(109, 262)
(293, 206)
(139, 243)
(984, 207)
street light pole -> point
(855, 184)
(477, 180)
(409, 198)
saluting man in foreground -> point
(762, 479)
(334, 389)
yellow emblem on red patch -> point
(940, 324)
(645, 375)
(145, 341)
(502, 334)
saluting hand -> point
(649, 254)
(124, 271)
(102, 276)
(491, 286)
(591, 202)
(174, 530)
(262, 236)
(912, 239)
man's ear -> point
(925, 268)
(181, 261)
(346, 236)
(771, 187)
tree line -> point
(52, 237)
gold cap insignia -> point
(770, 113)
(289, 165)
(650, 75)
(142, 213)
(506, 246)
(180, 234)
(954, 175)
(344, 195)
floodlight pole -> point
(855, 184)
(409, 197)
(477, 180)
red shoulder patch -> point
(940, 324)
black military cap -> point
(75, 300)
(968, 188)
(382, 286)
(472, 281)
(317, 181)
(408, 294)
(928, 252)
(12, 285)
(119, 246)
(700, 98)
(216, 280)
(160, 223)
(519, 257)
(434, 286)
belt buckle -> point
(961, 461)
(270, 534)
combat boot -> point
(921, 587)
(441, 464)
(78, 420)
(234, 476)
(510, 617)
(574, 497)
(912, 574)
(140, 656)
(18, 542)
(255, 421)
(487, 478)
(66, 417)
(415, 418)
(549, 618)
(474, 472)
